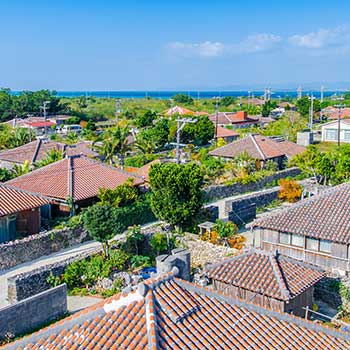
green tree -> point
(176, 192)
(52, 156)
(183, 98)
(227, 101)
(200, 133)
(99, 221)
(267, 107)
(145, 119)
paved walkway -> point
(44, 260)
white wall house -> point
(330, 131)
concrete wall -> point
(34, 312)
(223, 191)
(32, 247)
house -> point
(166, 312)
(20, 213)
(178, 110)
(74, 179)
(333, 113)
(260, 148)
(227, 135)
(329, 131)
(267, 279)
(235, 119)
(39, 125)
(39, 149)
(315, 230)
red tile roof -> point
(87, 176)
(325, 216)
(13, 200)
(345, 113)
(232, 118)
(257, 146)
(168, 313)
(178, 110)
(42, 124)
(39, 149)
(224, 132)
(264, 273)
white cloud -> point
(205, 49)
(257, 43)
(337, 38)
(253, 43)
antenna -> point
(180, 125)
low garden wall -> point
(32, 247)
(27, 284)
(33, 313)
(222, 191)
(327, 291)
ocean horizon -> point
(193, 94)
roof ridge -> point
(257, 146)
(303, 202)
(285, 292)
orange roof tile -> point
(83, 175)
(278, 276)
(13, 200)
(169, 313)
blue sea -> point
(194, 94)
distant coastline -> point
(194, 94)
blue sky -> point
(137, 45)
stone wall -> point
(243, 210)
(223, 191)
(33, 313)
(326, 291)
(32, 247)
(27, 284)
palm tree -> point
(114, 142)
(145, 145)
(52, 156)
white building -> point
(330, 131)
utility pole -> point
(216, 117)
(340, 107)
(180, 125)
(43, 107)
(322, 91)
(311, 112)
(118, 105)
(299, 92)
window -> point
(312, 244)
(298, 240)
(331, 134)
(285, 238)
(325, 246)
(346, 135)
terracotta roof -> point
(264, 273)
(83, 147)
(32, 151)
(144, 170)
(325, 216)
(168, 313)
(40, 124)
(85, 179)
(231, 118)
(13, 200)
(285, 104)
(257, 146)
(39, 149)
(289, 148)
(345, 113)
(178, 110)
(224, 132)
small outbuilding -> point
(269, 280)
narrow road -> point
(44, 260)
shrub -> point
(236, 242)
(161, 242)
(290, 190)
(138, 261)
(225, 229)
